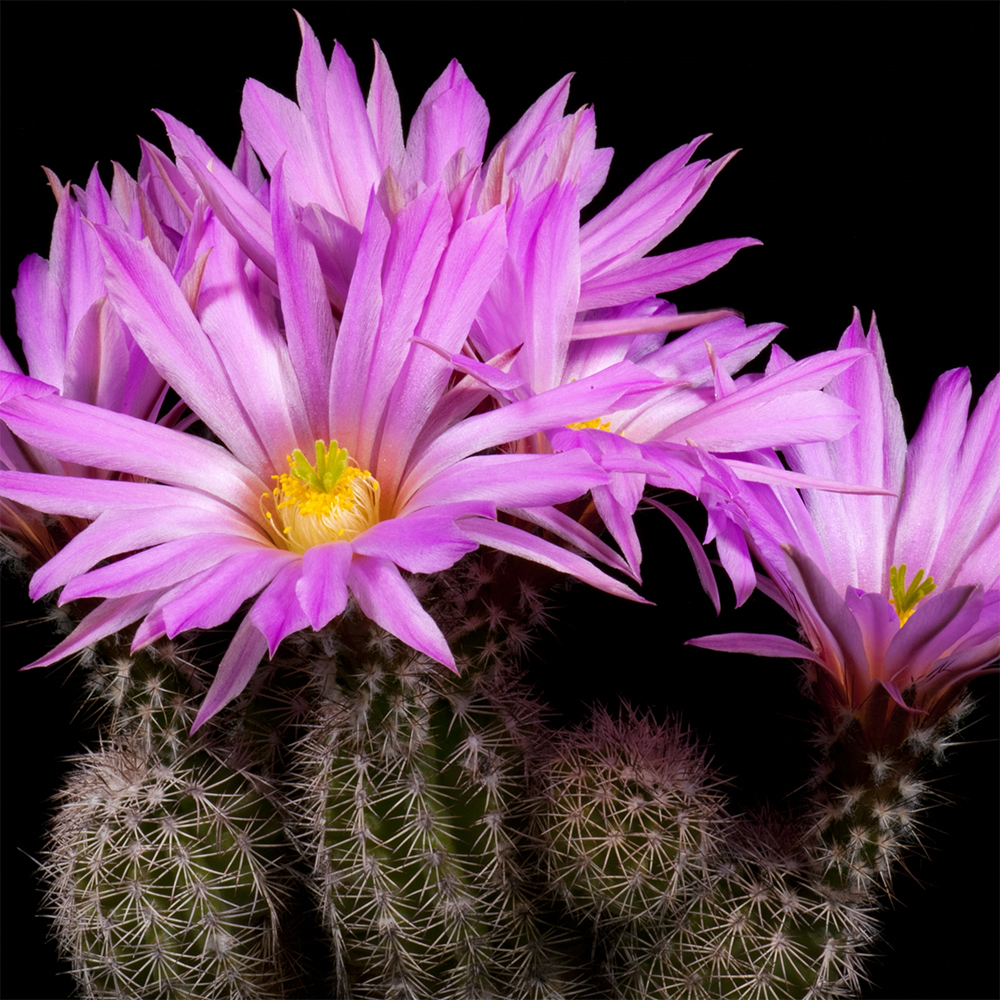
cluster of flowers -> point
(382, 355)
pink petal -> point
(277, 612)
(235, 669)
(387, 600)
(108, 617)
(425, 541)
(507, 538)
(322, 588)
(756, 644)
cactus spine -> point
(410, 808)
(165, 862)
(456, 847)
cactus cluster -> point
(450, 841)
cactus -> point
(412, 781)
(165, 867)
(628, 814)
(688, 901)
(454, 845)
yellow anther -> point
(597, 424)
(331, 500)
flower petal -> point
(235, 669)
(322, 588)
(387, 600)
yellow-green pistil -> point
(329, 500)
(905, 599)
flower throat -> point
(329, 500)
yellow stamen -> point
(328, 501)
(905, 599)
(597, 424)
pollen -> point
(329, 500)
(905, 599)
(597, 424)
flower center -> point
(326, 501)
(597, 424)
(905, 599)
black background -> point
(869, 170)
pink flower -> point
(71, 336)
(895, 593)
(346, 453)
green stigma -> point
(326, 473)
(905, 599)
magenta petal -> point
(466, 269)
(354, 156)
(734, 556)
(156, 568)
(418, 237)
(581, 400)
(878, 621)
(513, 480)
(617, 518)
(309, 327)
(241, 213)
(752, 473)
(507, 538)
(702, 566)
(844, 646)
(383, 113)
(565, 527)
(108, 617)
(642, 215)
(117, 530)
(97, 358)
(636, 279)
(897, 696)
(939, 623)
(424, 541)
(530, 129)
(322, 588)
(15, 386)
(235, 669)
(742, 422)
(451, 116)
(387, 600)
(152, 305)
(214, 595)
(357, 338)
(277, 612)
(91, 436)
(275, 126)
(92, 497)
(756, 644)
(41, 320)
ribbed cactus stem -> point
(628, 812)
(165, 868)
(765, 927)
(687, 901)
(412, 780)
(869, 790)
